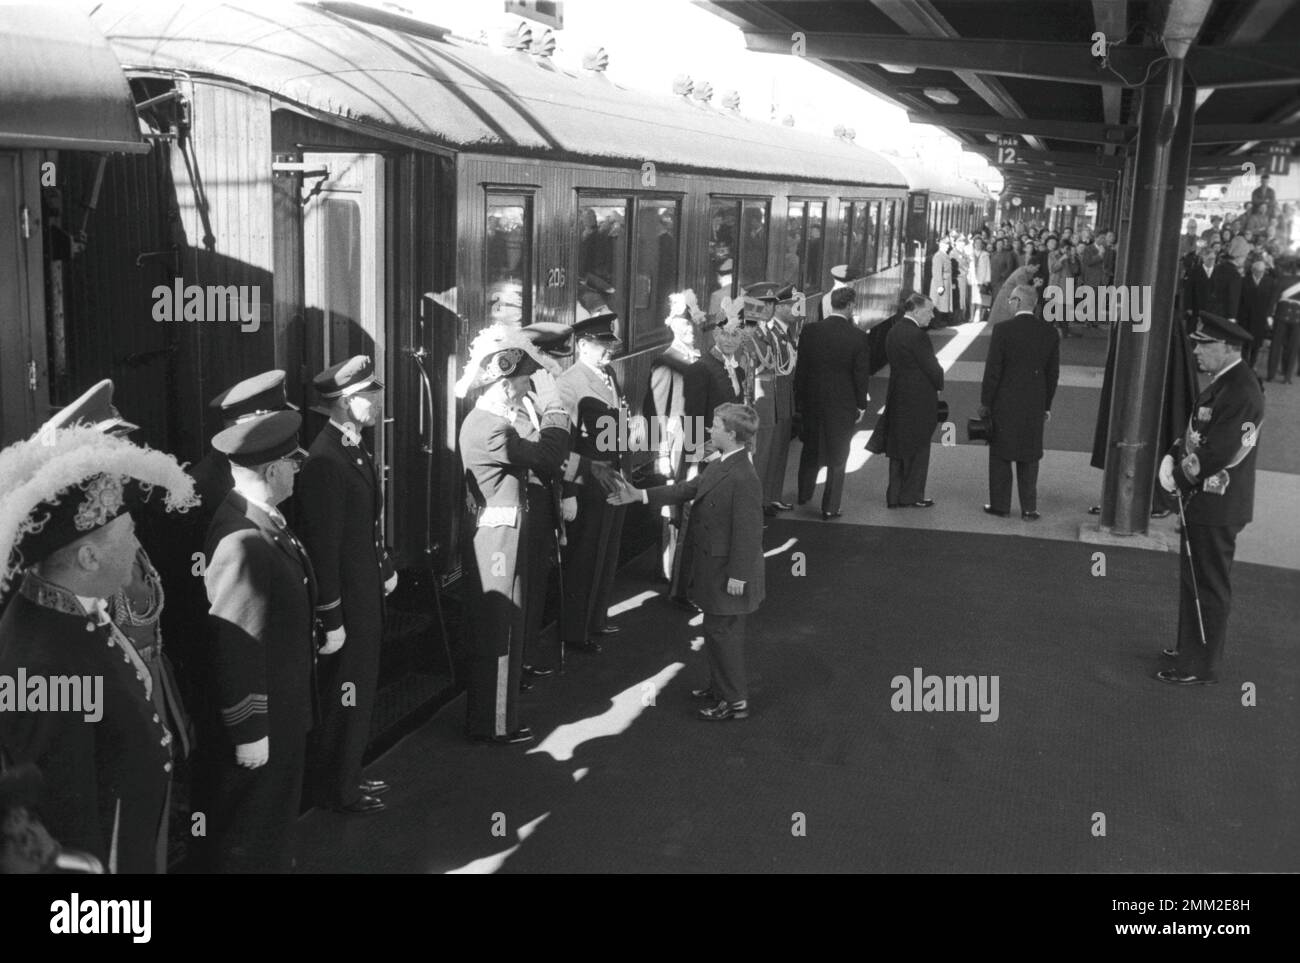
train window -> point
(805, 226)
(887, 236)
(655, 274)
(871, 235)
(601, 282)
(508, 274)
(737, 233)
(852, 225)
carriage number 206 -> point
(555, 278)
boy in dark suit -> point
(727, 580)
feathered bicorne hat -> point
(500, 351)
(732, 314)
(684, 304)
(62, 484)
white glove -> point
(250, 755)
(390, 584)
(334, 640)
(548, 393)
(569, 508)
(1167, 474)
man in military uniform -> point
(340, 507)
(67, 541)
(780, 332)
(498, 459)
(665, 409)
(599, 413)
(263, 648)
(1212, 469)
(772, 363)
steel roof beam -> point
(1084, 132)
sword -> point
(1187, 544)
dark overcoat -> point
(1020, 379)
(831, 376)
(1257, 304)
(912, 399)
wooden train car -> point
(361, 182)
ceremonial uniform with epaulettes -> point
(1214, 470)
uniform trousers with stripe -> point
(724, 646)
(590, 562)
(1212, 550)
(538, 562)
(495, 589)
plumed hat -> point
(500, 351)
(63, 484)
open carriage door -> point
(344, 275)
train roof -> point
(921, 178)
(423, 85)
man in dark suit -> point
(67, 539)
(1020, 377)
(665, 408)
(911, 404)
(830, 394)
(599, 412)
(263, 628)
(1212, 470)
(728, 564)
(341, 505)
(499, 451)
(1259, 296)
(1214, 286)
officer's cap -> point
(844, 274)
(551, 336)
(594, 282)
(347, 378)
(598, 327)
(763, 291)
(94, 408)
(261, 439)
(253, 396)
(1211, 327)
(785, 294)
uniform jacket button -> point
(155, 717)
(167, 767)
(91, 628)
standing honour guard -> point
(263, 647)
(341, 511)
(665, 406)
(504, 365)
(67, 546)
(136, 608)
(773, 360)
(1211, 471)
(599, 413)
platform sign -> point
(1007, 148)
(1279, 159)
(1067, 197)
(550, 14)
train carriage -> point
(329, 179)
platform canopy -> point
(61, 87)
(1055, 81)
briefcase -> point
(943, 411)
(978, 429)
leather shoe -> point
(990, 510)
(522, 734)
(1173, 677)
(923, 503)
(373, 787)
(590, 647)
(365, 803)
(1162, 513)
(725, 710)
(769, 511)
(705, 693)
(1172, 653)
(783, 506)
(607, 630)
(1030, 516)
(827, 516)
(538, 671)
(1094, 510)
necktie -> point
(730, 364)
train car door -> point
(344, 260)
(24, 394)
(916, 274)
